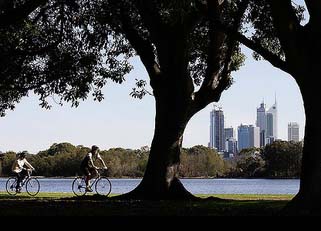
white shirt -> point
(18, 165)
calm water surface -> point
(195, 186)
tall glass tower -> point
(272, 122)
(243, 135)
(217, 135)
(261, 123)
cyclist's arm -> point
(102, 161)
(29, 165)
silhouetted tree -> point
(70, 48)
(280, 38)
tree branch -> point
(314, 8)
(217, 77)
(10, 15)
(288, 27)
(151, 17)
(192, 19)
(207, 92)
(274, 59)
(232, 42)
(142, 45)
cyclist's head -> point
(22, 154)
(94, 148)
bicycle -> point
(32, 185)
(101, 183)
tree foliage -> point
(278, 160)
(65, 50)
(249, 163)
(200, 161)
(283, 159)
(57, 52)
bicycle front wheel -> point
(33, 186)
(79, 186)
(11, 186)
(103, 186)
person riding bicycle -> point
(88, 166)
(20, 170)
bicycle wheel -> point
(103, 186)
(79, 186)
(32, 186)
(11, 186)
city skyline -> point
(266, 120)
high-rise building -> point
(243, 137)
(261, 122)
(248, 136)
(217, 135)
(231, 147)
(254, 136)
(267, 121)
(229, 133)
(293, 132)
(272, 122)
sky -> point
(121, 121)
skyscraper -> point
(261, 122)
(243, 137)
(267, 121)
(217, 135)
(248, 136)
(272, 122)
(228, 133)
(293, 132)
(231, 147)
(254, 136)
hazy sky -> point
(121, 121)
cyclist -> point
(19, 168)
(88, 166)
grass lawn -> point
(66, 204)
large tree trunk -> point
(308, 200)
(161, 176)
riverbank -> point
(65, 204)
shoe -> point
(18, 190)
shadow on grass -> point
(96, 205)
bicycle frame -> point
(94, 180)
(23, 182)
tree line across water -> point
(279, 160)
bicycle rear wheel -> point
(103, 186)
(79, 186)
(11, 186)
(33, 186)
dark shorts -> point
(88, 171)
(22, 174)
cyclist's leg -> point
(88, 177)
(23, 174)
(94, 172)
(19, 180)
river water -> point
(195, 186)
